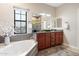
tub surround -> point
(20, 37)
(20, 48)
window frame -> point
(20, 22)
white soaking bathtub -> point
(20, 48)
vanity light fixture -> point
(45, 14)
(48, 15)
(66, 25)
(42, 14)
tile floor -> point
(57, 51)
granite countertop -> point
(46, 31)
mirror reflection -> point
(44, 21)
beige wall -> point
(68, 12)
(7, 15)
(37, 8)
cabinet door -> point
(41, 40)
(52, 38)
(47, 40)
(59, 38)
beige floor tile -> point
(57, 51)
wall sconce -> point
(66, 25)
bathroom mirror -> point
(42, 21)
(36, 23)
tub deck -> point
(19, 48)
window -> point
(20, 21)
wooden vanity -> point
(49, 39)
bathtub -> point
(20, 48)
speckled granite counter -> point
(49, 31)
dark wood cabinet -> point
(49, 39)
(52, 38)
(58, 38)
(41, 40)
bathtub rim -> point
(23, 54)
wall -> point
(7, 14)
(68, 12)
(6, 18)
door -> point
(59, 38)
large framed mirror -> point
(42, 21)
(45, 21)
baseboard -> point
(71, 48)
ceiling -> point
(55, 4)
